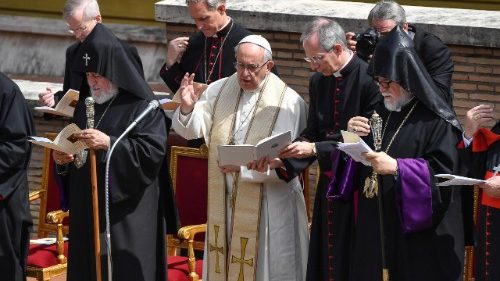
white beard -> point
(405, 98)
(105, 96)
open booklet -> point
(241, 154)
(65, 107)
(354, 146)
(65, 140)
(456, 180)
(172, 104)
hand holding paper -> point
(65, 140)
(65, 107)
(354, 146)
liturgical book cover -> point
(242, 154)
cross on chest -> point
(86, 58)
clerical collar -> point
(224, 30)
(337, 73)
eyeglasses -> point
(80, 29)
(317, 58)
(250, 67)
(385, 83)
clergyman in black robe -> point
(140, 192)
(209, 53)
(481, 159)
(77, 14)
(16, 125)
(339, 90)
(423, 235)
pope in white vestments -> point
(257, 223)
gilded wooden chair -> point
(47, 261)
(189, 171)
(192, 180)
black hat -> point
(104, 54)
(395, 58)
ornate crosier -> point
(371, 183)
(81, 157)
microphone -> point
(151, 106)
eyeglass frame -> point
(386, 84)
(80, 29)
(252, 68)
(318, 57)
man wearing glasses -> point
(81, 17)
(405, 225)
(250, 208)
(435, 55)
(339, 90)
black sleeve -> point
(437, 59)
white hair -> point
(90, 9)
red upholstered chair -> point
(46, 261)
(189, 170)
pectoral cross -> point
(241, 260)
(86, 58)
(217, 249)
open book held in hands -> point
(456, 180)
(354, 146)
(172, 104)
(65, 107)
(242, 154)
(65, 140)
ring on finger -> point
(354, 129)
(180, 45)
(477, 116)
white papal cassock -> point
(283, 233)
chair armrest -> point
(57, 217)
(34, 195)
(189, 232)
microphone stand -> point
(152, 105)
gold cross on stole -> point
(216, 248)
(242, 260)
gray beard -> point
(106, 96)
(405, 98)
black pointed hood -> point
(104, 54)
(395, 58)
